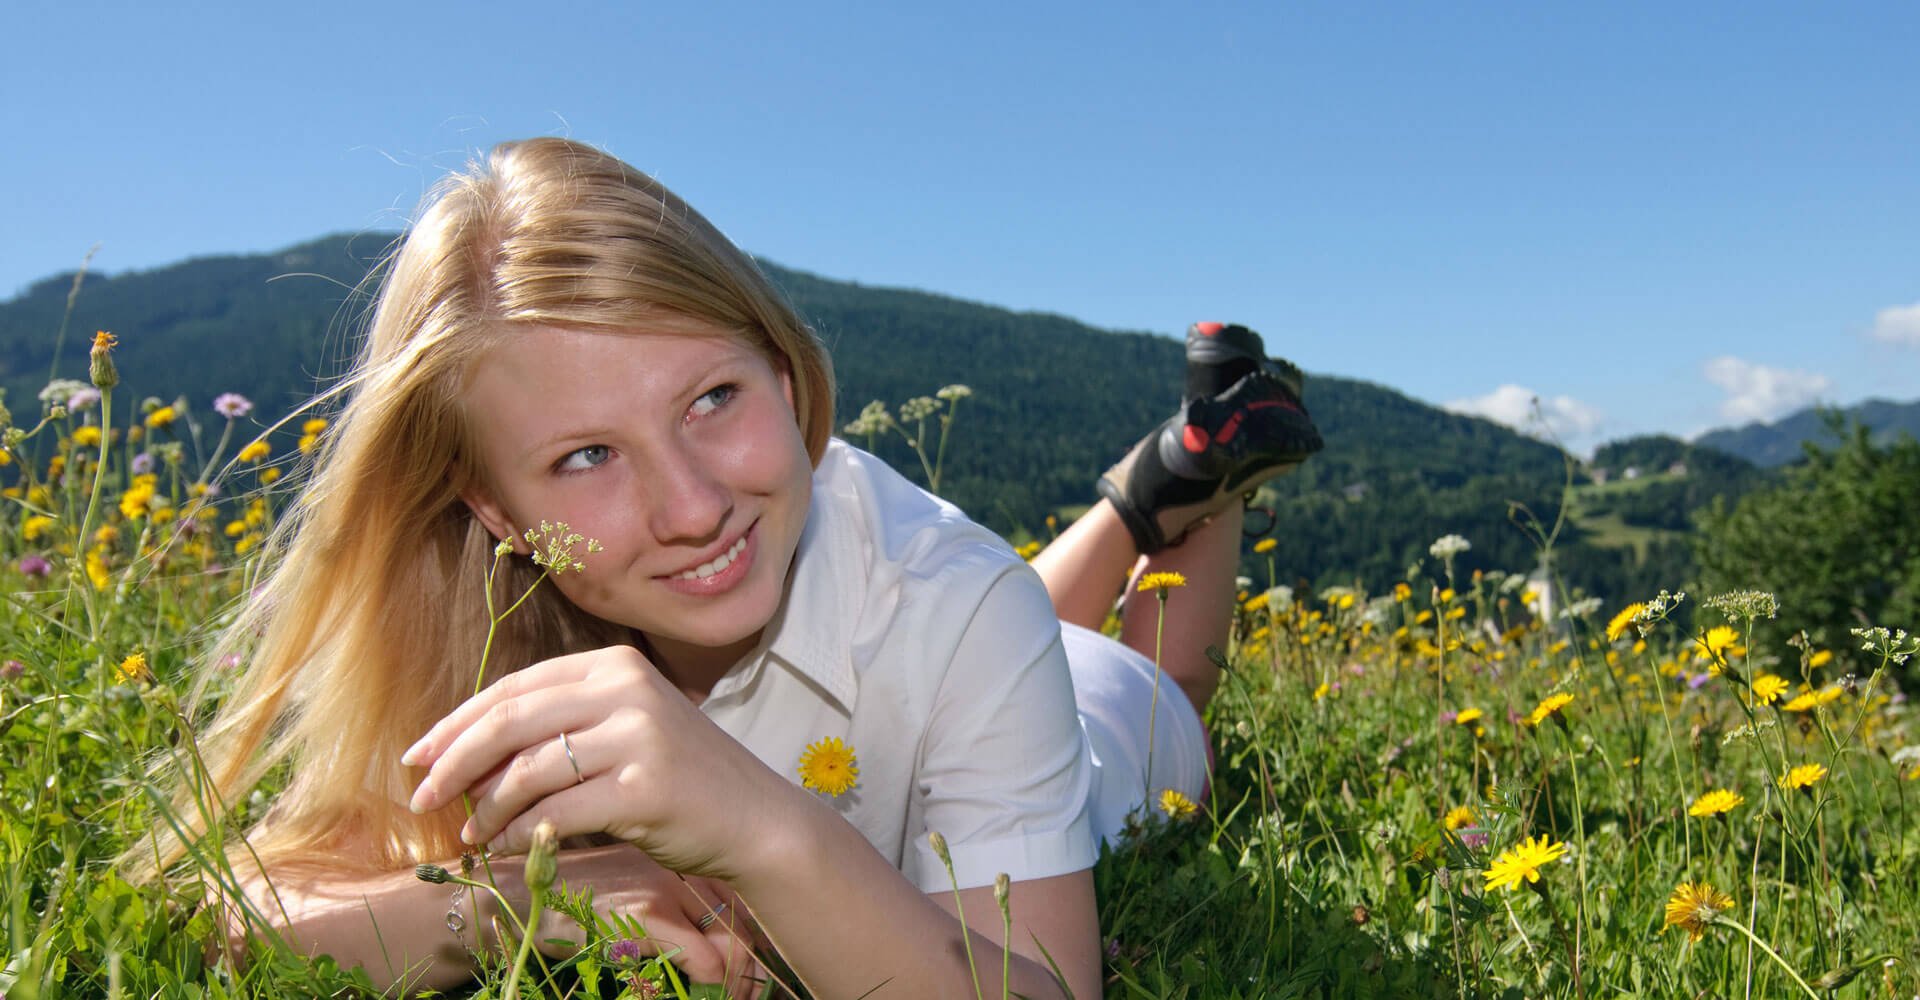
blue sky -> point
(1653, 217)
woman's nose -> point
(690, 502)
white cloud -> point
(1757, 392)
(1898, 325)
(1570, 420)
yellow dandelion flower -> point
(1803, 703)
(1624, 620)
(255, 451)
(307, 442)
(1549, 707)
(1161, 582)
(1767, 688)
(1256, 602)
(1402, 592)
(314, 426)
(1458, 818)
(1446, 596)
(1454, 614)
(235, 529)
(829, 765)
(1028, 551)
(1321, 691)
(34, 526)
(1425, 616)
(1467, 716)
(107, 535)
(87, 436)
(268, 476)
(1820, 659)
(1828, 694)
(162, 417)
(1522, 862)
(134, 502)
(1721, 642)
(133, 668)
(1265, 545)
(1343, 602)
(1694, 906)
(1802, 777)
(1176, 805)
(97, 573)
(245, 545)
(1715, 803)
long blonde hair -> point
(369, 627)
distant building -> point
(1630, 472)
(1677, 470)
(1598, 475)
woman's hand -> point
(645, 766)
(629, 885)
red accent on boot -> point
(1268, 404)
(1231, 427)
(1209, 329)
(1194, 438)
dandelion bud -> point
(939, 845)
(431, 873)
(542, 866)
(100, 368)
(1002, 886)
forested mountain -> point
(1778, 443)
(1054, 403)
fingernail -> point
(412, 757)
(466, 833)
(420, 798)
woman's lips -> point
(720, 574)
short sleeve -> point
(1005, 772)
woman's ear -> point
(493, 516)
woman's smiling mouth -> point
(720, 573)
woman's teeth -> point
(721, 562)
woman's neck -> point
(695, 669)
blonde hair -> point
(369, 628)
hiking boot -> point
(1216, 448)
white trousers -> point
(1114, 689)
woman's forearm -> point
(852, 925)
(391, 924)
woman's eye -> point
(584, 459)
(714, 399)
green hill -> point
(1055, 401)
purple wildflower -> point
(11, 669)
(232, 405)
(1449, 716)
(1475, 839)
(35, 566)
(142, 463)
(82, 398)
(624, 950)
(1694, 682)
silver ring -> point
(706, 919)
(578, 778)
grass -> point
(1377, 756)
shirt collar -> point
(810, 634)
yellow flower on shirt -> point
(828, 765)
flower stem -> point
(1742, 928)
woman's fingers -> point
(511, 734)
(570, 669)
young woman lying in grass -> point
(560, 339)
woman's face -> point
(675, 447)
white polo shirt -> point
(922, 640)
